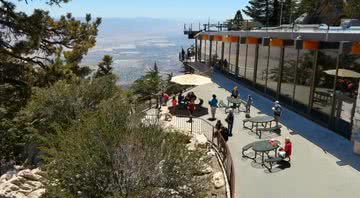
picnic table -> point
(322, 96)
(255, 121)
(263, 147)
(236, 102)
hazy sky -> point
(174, 9)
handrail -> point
(197, 126)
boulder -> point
(218, 180)
(206, 170)
(37, 193)
(7, 176)
(27, 174)
(200, 141)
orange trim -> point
(355, 49)
(225, 38)
(217, 38)
(234, 39)
(252, 40)
(311, 45)
(204, 37)
(276, 42)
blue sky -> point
(173, 9)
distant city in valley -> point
(135, 45)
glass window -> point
(250, 65)
(207, 51)
(304, 79)
(233, 58)
(288, 75)
(274, 68)
(323, 91)
(346, 94)
(262, 66)
(242, 61)
(226, 55)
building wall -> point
(298, 79)
(356, 125)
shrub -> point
(109, 153)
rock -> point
(191, 145)
(17, 181)
(211, 153)
(218, 180)
(7, 176)
(200, 141)
(39, 172)
(206, 170)
(19, 168)
(37, 193)
(27, 174)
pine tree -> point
(275, 14)
(104, 66)
(259, 10)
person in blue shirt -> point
(213, 105)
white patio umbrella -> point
(191, 79)
(346, 73)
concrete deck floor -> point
(322, 165)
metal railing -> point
(202, 126)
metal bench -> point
(270, 129)
(271, 161)
(245, 148)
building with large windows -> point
(311, 70)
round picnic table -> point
(264, 120)
(235, 101)
(263, 147)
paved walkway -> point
(322, 165)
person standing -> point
(224, 133)
(230, 120)
(213, 105)
(191, 109)
(248, 106)
(277, 109)
(174, 103)
(235, 92)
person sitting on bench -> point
(286, 151)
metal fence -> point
(201, 126)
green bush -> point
(109, 153)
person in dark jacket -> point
(224, 133)
(230, 120)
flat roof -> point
(319, 35)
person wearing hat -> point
(277, 109)
(230, 120)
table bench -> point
(271, 161)
(245, 148)
(270, 129)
